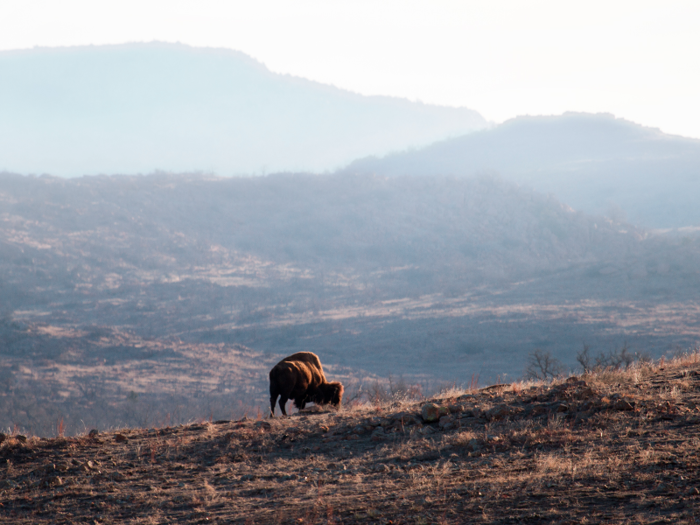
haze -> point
(394, 226)
(502, 59)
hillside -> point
(607, 447)
(138, 300)
(592, 162)
(138, 108)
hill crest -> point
(594, 163)
(607, 447)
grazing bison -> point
(300, 377)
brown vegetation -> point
(612, 446)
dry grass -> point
(611, 447)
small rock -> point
(405, 419)
(537, 410)
(452, 425)
(3, 437)
(120, 438)
(381, 468)
(93, 433)
(498, 412)
(378, 434)
(584, 393)
(623, 404)
(21, 438)
(263, 425)
(248, 477)
(446, 420)
(427, 430)
(402, 417)
(432, 412)
(456, 409)
(474, 445)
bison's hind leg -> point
(283, 403)
(273, 401)
(284, 397)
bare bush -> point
(542, 365)
(616, 359)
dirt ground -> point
(608, 447)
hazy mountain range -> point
(138, 108)
(182, 291)
(359, 267)
(592, 162)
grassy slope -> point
(610, 447)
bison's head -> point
(329, 393)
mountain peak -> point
(139, 107)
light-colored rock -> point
(431, 412)
(264, 425)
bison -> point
(300, 377)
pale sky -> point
(637, 59)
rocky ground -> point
(607, 447)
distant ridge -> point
(593, 162)
(137, 108)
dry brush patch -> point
(612, 447)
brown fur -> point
(300, 377)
